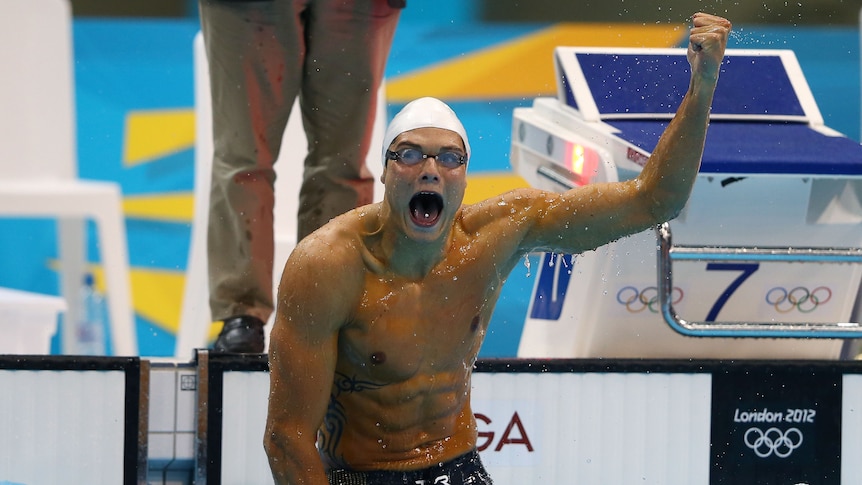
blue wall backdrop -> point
(134, 85)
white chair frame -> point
(38, 159)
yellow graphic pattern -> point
(522, 68)
(177, 207)
(154, 134)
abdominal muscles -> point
(397, 426)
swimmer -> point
(382, 311)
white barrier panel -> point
(593, 427)
(539, 421)
(548, 428)
(243, 459)
(607, 422)
(851, 419)
(63, 421)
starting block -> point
(772, 175)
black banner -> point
(776, 424)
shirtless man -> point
(381, 312)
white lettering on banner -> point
(800, 415)
(791, 415)
(762, 416)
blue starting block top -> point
(764, 118)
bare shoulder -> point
(503, 222)
(327, 264)
(320, 285)
(516, 204)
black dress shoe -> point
(241, 334)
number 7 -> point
(747, 270)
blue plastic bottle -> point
(90, 330)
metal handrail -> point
(667, 253)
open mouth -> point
(425, 208)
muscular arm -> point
(590, 216)
(669, 175)
(302, 357)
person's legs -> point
(254, 51)
(348, 45)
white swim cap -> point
(424, 113)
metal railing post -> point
(667, 253)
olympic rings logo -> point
(773, 441)
(800, 298)
(637, 301)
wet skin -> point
(410, 322)
(381, 313)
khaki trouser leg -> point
(262, 55)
